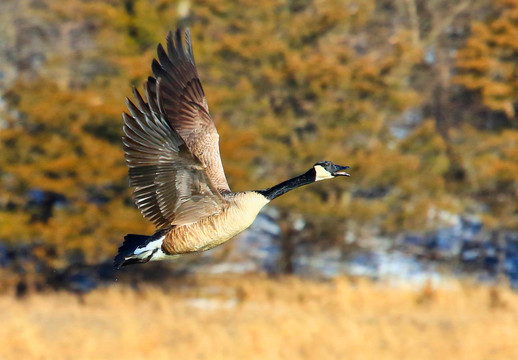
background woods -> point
(418, 97)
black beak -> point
(340, 171)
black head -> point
(328, 170)
(320, 171)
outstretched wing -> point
(185, 104)
(171, 183)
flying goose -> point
(171, 147)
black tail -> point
(132, 242)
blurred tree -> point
(61, 164)
(314, 84)
(437, 29)
(62, 167)
(487, 67)
(487, 64)
(289, 83)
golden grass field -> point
(252, 317)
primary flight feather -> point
(171, 147)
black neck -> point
(288, 185)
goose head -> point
(328, 170)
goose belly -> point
(215, 230)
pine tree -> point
(487, 64)
(289, 83)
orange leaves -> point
(291, 74)
(494, 159)
(500, 96)
(379, 165)
(487, 62)
(288, 84)
(58, 153)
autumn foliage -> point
(419, 98)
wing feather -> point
(171, 184)
(184, 104)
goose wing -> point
(171, 183)
(185, 104)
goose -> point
(171, 147)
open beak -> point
(341, 171)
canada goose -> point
(171, 147)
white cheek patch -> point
(322, 174)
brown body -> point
(214, 230)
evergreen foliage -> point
(289, 83)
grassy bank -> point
(259, 318)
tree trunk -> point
(288, 241)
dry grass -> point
(257, 318)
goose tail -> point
(140, 249)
